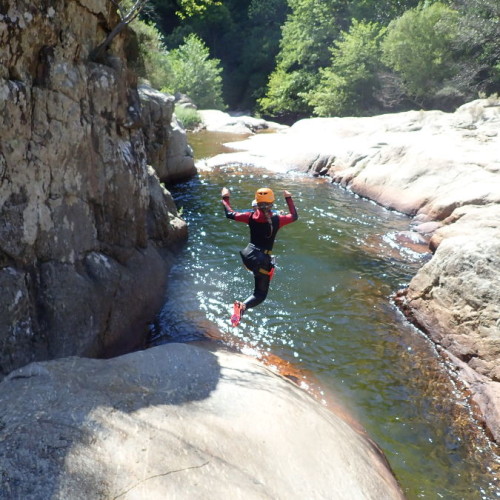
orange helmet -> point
(264, 195)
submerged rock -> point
(177, 421)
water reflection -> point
(329, 312)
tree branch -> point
(126, 18)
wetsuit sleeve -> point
(231, 214)
(292, 216)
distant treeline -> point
(288, 59)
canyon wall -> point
(86, 229)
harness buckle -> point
(267, 252)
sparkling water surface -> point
(330, 312)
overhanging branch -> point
(126, 18)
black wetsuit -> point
(257, 254)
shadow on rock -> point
(57, 417)
(177, 421)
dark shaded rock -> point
(166, 142)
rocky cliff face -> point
(85, 225)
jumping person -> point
(264, 224)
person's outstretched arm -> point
(292, 216)
(230, 213)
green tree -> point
(260, 33)
(349, 84)
(182, 9)
(380, 11)
(478, 47)
(129, 10)
(147, 52)
(311, 27)
(151, 62)
(243, 34)
(220, 28)
(284, 94)
(419, 47)
(194, 73)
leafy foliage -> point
(309, 30)
(477, 46)
(243, 34)
(188, 69)
(183, 9)
(419, 46)
(189, 117)
(379, 11)
(294, 58)
(194, 73)
(192, 7)
(284, 97)
(256, 58)
(152, 62)
(349, 84)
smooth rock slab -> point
(177, 421)
(218, 121)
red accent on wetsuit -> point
(259, 216)
(262, 236)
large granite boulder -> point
(166, 143)
(83, 259)
(177, 421)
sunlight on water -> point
(329, 312)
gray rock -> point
(83, 222)
(182, 100)
(455, 297)
(177, 421)
(219, 121)
(166, 142)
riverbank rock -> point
(177, 421)
(417, 162)
(444, 170)
(455, 298)
(83, 254)
(166, 144)
(236, 123)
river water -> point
(330, 314)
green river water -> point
(330, 313)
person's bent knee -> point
(257, 298)
(260, 296)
